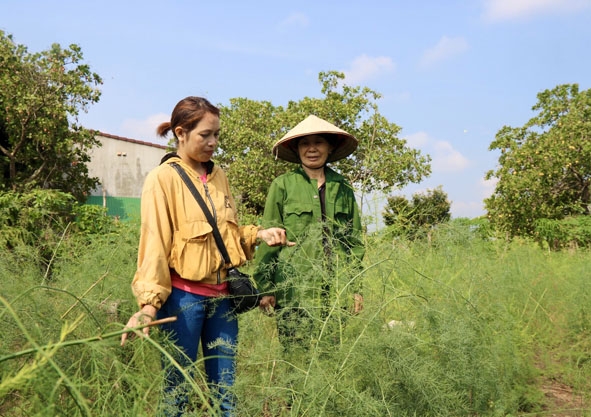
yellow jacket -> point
(175, 233)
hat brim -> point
(345, 143)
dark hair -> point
(186, 114)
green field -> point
(457, 326)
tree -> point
(250, 128)
(544, 169)
(41, 96)
(416, 217)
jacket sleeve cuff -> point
(149, 298)
(248, 240)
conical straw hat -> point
(345, 143)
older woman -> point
(317, 208)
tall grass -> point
(456, 326)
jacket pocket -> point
(194, 253)
(342, 211)
(297, 218)
(343, 219)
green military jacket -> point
(326, 261)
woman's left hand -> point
(143, 317)
(358, 303)
(274, 236)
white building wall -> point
(122, 164)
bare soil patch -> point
(563, 401)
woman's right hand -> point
(142, 317)
(274, 236)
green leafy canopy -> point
(544, 169)
(41, 96)
(416, 217)
(250, 128)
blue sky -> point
(451, 72)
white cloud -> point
(447, 159)
(473, 209)
(144, 130)
(294, 21)
(452, 170)
(470, 209)
(365, 67)
(417, 140)
(444, 158)
(498, 10)
(445, 49)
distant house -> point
(121, 165)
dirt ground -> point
(563, 401)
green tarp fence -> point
(124, 208)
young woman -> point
(180, 270)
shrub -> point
(42, 220)
(569, 232)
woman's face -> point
(313, 151)
(198, 145)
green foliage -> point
(458, 326)
(59, 353)
(417, 217)
(250, 129)
(569, 232)
(488, 290)
(248, 132)
(39, 220)
(545, 166)
(92, 219)
(41, 95)
(398, 211)
(462, 232)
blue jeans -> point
(210, 321)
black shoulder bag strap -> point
(216, 233)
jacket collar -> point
(330, 175)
